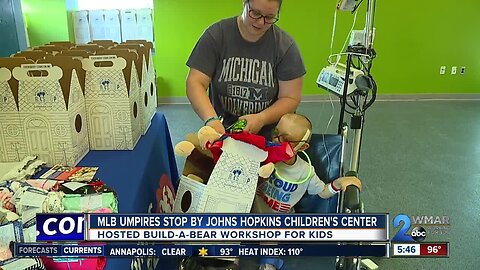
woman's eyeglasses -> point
(257, 15)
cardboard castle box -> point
(65, 62)
(128, 22)
(105, 43)
(133, 56)
(33, 55)
(50, 49)
(112, 25)
(45, 115)
(112, 100)
(149, 46)
(7, 105)
(90, 48)
(12, 144)
(63, 44)
(78, 54)
(150, 83)
(231, 184)
(81, 26)
(145, 24)
(148, 103)
(96, 19)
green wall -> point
(177, 26)
(46, 21)
(413, 39)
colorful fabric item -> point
(45, 184)
(276, 152)
(5, 252)
(97, 263)
(92, 187)
(27, 197)
(103, 211)
(24, 169)
(5, 199)
(90, 202)
(7, 216)
(53, 203)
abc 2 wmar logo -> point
(437, 225)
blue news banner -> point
(296, 235)
(158, 250)
(212, 227)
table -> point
(142, 178)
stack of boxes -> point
(113, 24)
(60, 100)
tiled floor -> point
(417, 158)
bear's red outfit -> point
(276, 152)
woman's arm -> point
(197, 84)
(289, 96)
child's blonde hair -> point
(301, 121)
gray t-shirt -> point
(244, 75)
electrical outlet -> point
(442, 70)
(462, 70)
(454, 70)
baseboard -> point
(380, 97)
(173, 100)
(400, 97)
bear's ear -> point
(207, 134)
(184, 148)
(193, 138)
(266, 170)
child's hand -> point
(343, 182)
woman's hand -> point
(255, 122)
(217, 125)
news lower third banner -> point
(157, 250)
(212, 227)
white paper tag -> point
(10, 216)
(16, 196)
(8, 169)
(244, 149)
(30, 213)
(30, 234)
(7, 233)
(33, 198)
(36, 66)
(45, 184)
(102, 57)
(74, 185)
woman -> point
(252, 68)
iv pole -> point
(350, 199)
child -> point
(294, 177)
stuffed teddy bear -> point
(209, 139)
